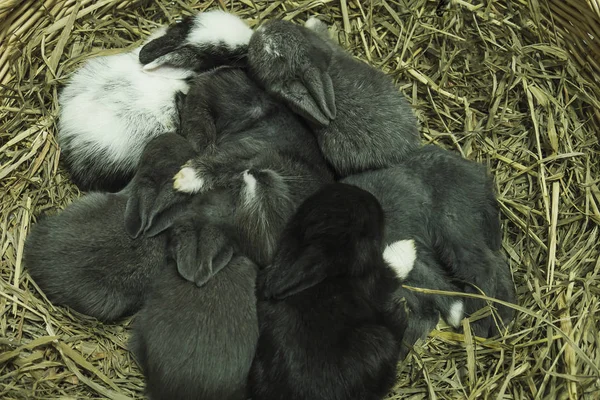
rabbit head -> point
(197, 43)
(292, 62)
(336, 232)
(151, 190)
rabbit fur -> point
(442, 215)
(198, 343)
(329, 328)
(358, 116)
(113, 105)
(84, 257)
(255, 149)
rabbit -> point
(360, 119)
(329, 328)
(198, 43)
(84, 258)
(246, 136)
(113, 105)
(198, 342)
(446, 207)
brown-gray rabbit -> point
(329, 328)
(198, 342)
(359, 117)
(113, 105)
(84, 258)
(442, 232)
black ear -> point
(312, 97)
(179, 63)
(280, 280)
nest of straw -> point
(512, 84)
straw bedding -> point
(512, 84)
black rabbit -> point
(329, 328)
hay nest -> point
(512, 84)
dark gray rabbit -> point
(84, 258)
(252, 148)
(359, 117)
(198, 343)
(329, 328)
(445, 208)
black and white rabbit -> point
(198, 342)
(84, 258)
(113, 105)
(328, 326)
(359, 117)
(441, 211)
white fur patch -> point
(110, 109)
(219, 27)
(187, 181)
(456, 313)
(312, 23)
(401, 256)
(250, 185)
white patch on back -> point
(401, 256)
(456, 313)
(187, 181)
(250, 187)
(110, 109)
(219, 27)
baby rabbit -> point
(255, 149)
(85, 259)
(447, 207)
(113, 105)
(359, 117)
(198, 343)
(328, 326)
(198, 43)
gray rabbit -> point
(198, 342)
(84, 258)
(359, 117)
(442, 216)
(253, 150)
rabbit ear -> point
(178, 63)
(134, 217)
(312, 97)
(280, 281)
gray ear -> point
(312, 97)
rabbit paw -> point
(187, 180)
